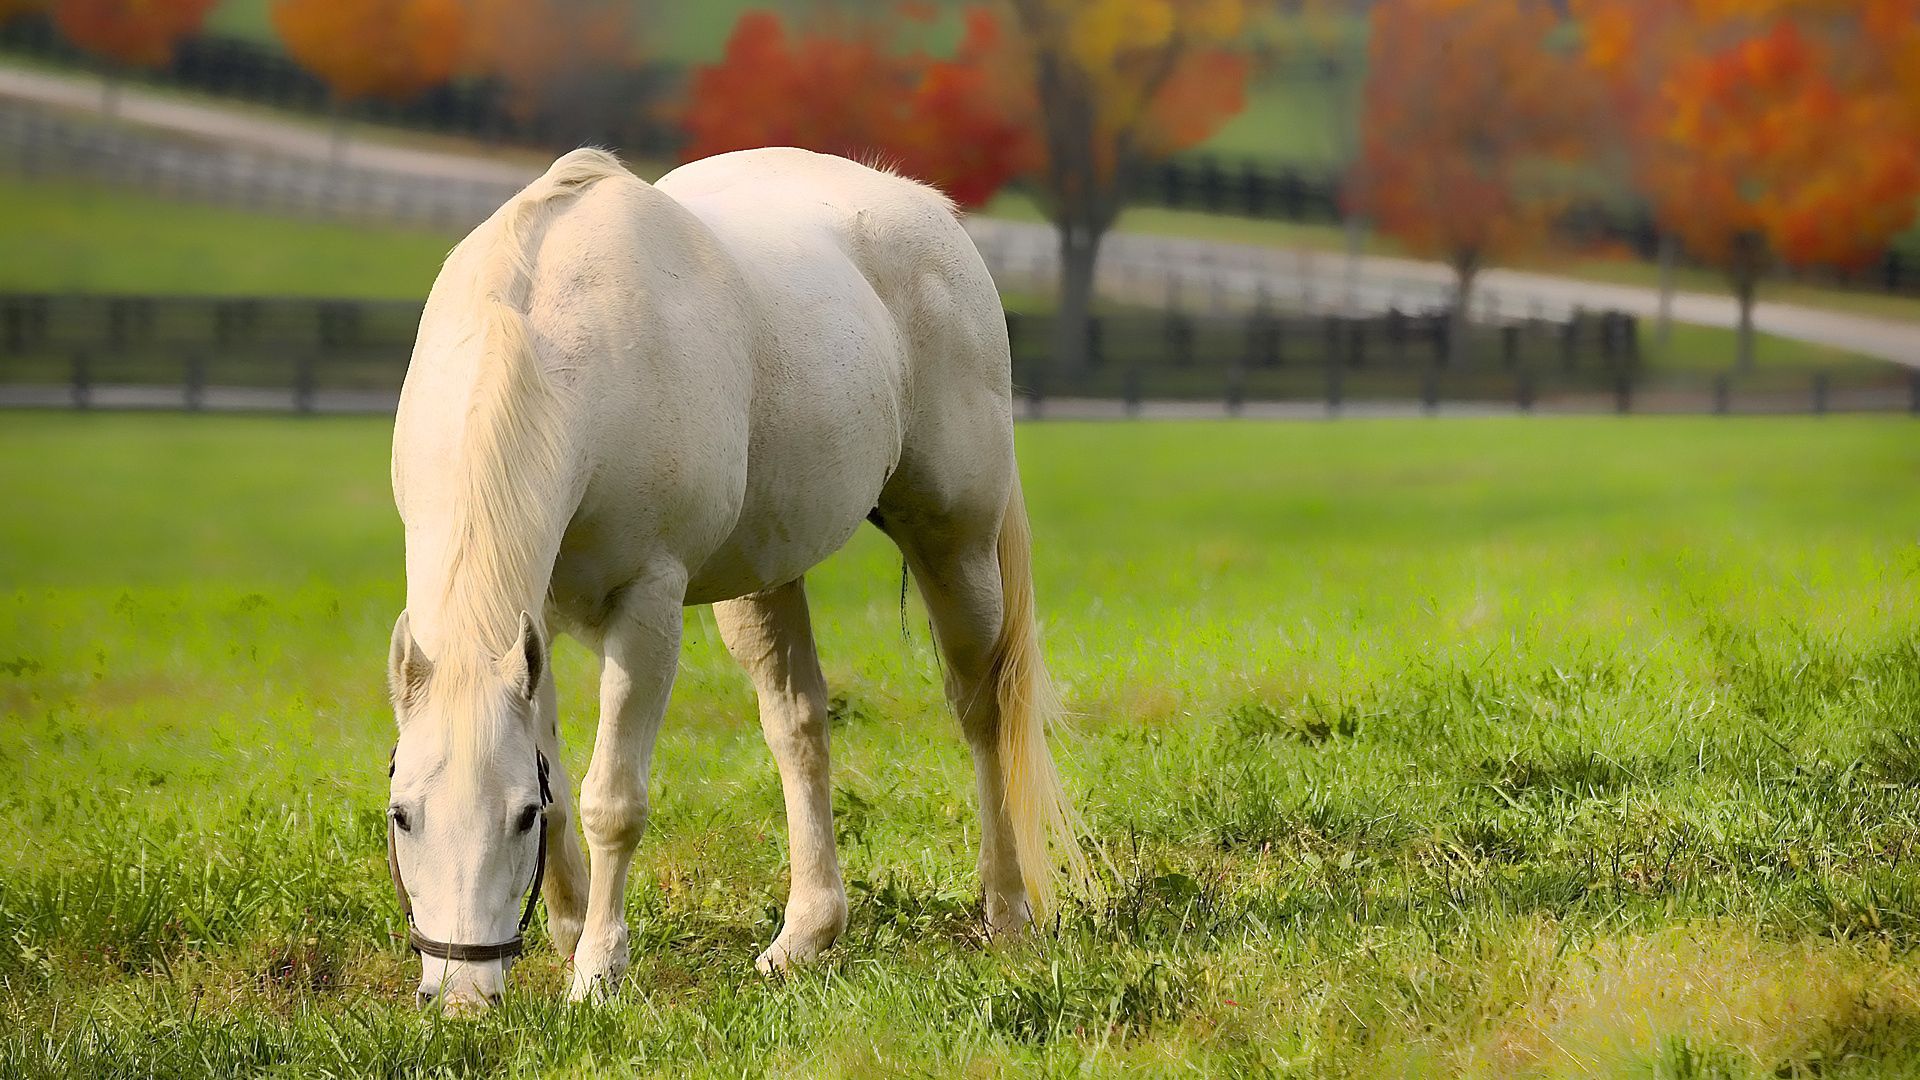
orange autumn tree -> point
(1468, 107)
(548, 52)
(1116, 84)
(1765, 131)
(13, 9)
(390, 49)
(129, 33)
(848, 89)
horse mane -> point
(512, 463)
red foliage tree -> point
(1076, 99)
(543, 49)
(1468, 106)
(1766, 131)
(131, 33)
(13, 9)
(850, 91)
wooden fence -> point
(332, 355)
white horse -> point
(629, 397)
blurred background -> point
(1193, 207)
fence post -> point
(1130, 390)
(1819, 393)
(1622, 394)
(1913, 393)
(1236, 386)
(1510, 346)
(1179, 331)
(1523, 390)
(82, 380)
(1430, 390)
(1722, 394)
(303, 375)
(196, 381)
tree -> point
(1765, 131)
(560, 60)
(848, 89)
(13, 9)
(1468, 109)
(391, 49)
(1118, 83)
(1078, 94)
(128, 33)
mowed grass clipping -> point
(1506, 748)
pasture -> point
(1483, 748)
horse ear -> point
(527, 663)
(407, 669)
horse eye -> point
(400, 819)
(526, 819)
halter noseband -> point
(453, 950)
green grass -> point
(1503, 748)
(1710, 349)
(83, 238)
(1302, 121)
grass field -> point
(77, 237)
(1502, 748)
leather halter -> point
(460, 951)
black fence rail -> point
(330, 355)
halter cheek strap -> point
(461, 951)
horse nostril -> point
(424, 998)
(493, 998)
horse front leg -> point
(565, 887)
(639, 651)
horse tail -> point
(1028, 703)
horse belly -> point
(818, 457)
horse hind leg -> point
(973, 572)
(771, 636)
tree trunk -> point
(1743, 290)
(1465, 269)
(1079, 256)
(1356, 228)
(1663, 324)
(337, 133)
